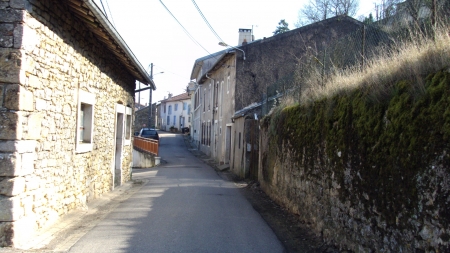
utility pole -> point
(150, 99)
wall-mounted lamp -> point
(223, 44)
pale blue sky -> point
(155, 37)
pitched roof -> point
(91, 15)
(180, 97)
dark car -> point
(149, 133)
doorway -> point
(119, 147)
(228, 145)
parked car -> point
(149, 133)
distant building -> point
(232, 85)
(175, 112)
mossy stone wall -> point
(369, 172)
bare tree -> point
(317, 10)
(345, 7)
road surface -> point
(183, 206)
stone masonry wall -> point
(367, 176)
(46, 57)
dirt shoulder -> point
(290, 230)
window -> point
(184, 106)
(164, 108)
(204, 99)
(216, 93)
(197, 99)
(85, 124)
(189, 109)
(174, 120)
(221, 98)
(168, 120)
(228, 84)
(170, 109)
(239, 143)
(128, 122)
(189, 119)
(176, 107)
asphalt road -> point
(182, 206)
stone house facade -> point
(236, 80)
(67, 84)
(175, 112)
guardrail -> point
(146, 145)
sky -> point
(155, 36)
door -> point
(228, 145)
(119, 146)
(254, 149)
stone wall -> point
(272, 59)
(46, 57)
(142, 117)
(368, 173)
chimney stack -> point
(245, 36)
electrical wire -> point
(104, 11)
(110, 13)
(206, 21)
(184, 29)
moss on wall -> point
(383, 151)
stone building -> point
(231, 85)
(67, 84)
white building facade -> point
(175, 112)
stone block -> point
(6, 35)
(30, 39)
(11, 128)
(11, 15)
(10, 63)
(6, 234)
(17, 35)
(28, 163)
(24, 146)
(10, 209)
(41, 105)
(18, 98)
(34, 126)
(17, 4)
(34, 82)
(31, 183)
(10, 164)
(23, 230)
(12, 186)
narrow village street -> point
(182, 206)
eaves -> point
(90, 14)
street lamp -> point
(223, 44)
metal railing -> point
(146, 145)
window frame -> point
(85, 99)
(128, 125)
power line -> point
(104, 9)
(184, 29)
(110, 13)
(206, 21)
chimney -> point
(245, 36)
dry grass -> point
(410, 61)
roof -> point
(180, 97)
(91, 15)
(198, 64)
(222, 55)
